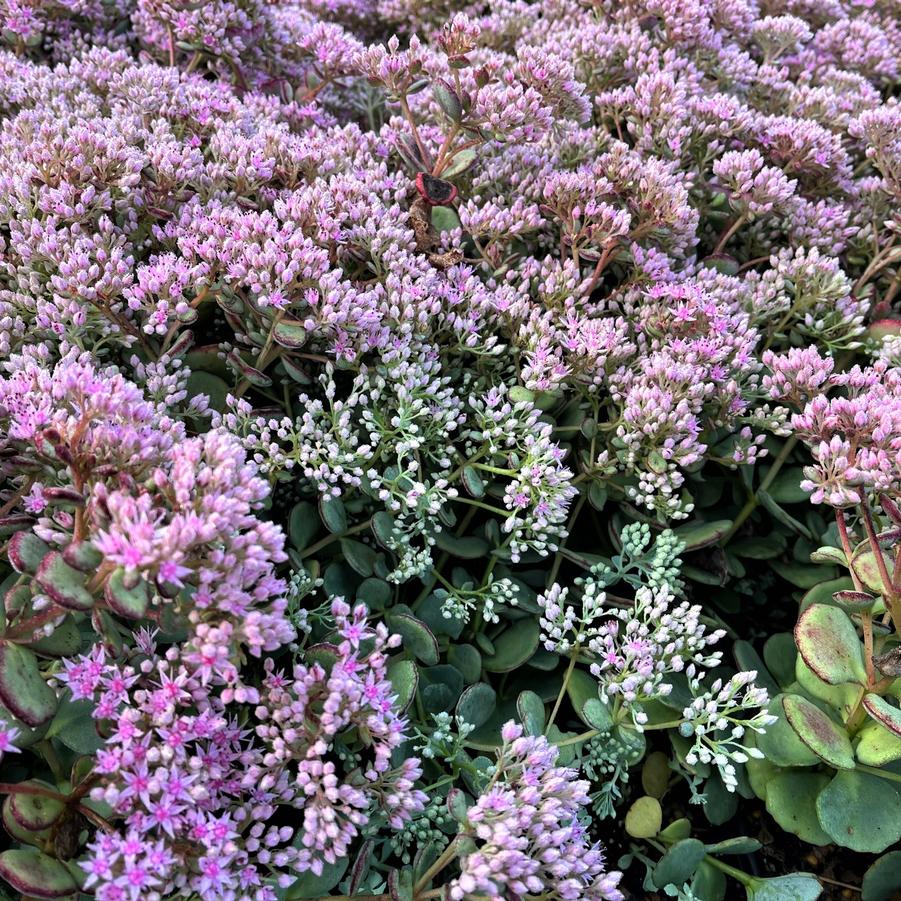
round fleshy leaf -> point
(457, 804)
(303, 524)
(759, 547)
(882, 328)
(655, 774)
(26, 551)
(721, 804)
(884, 713)
(779, 654)
(821, 734)
(822, 592)
(828, 642)
(513, 647)
(17, 598)
(74, 726)
(597, 495)
(309, 885)
(467, 547)
(709, 883)
(800, 574)
(375, 594)
(467, 659)
(741, 844)
(882, 881)
(860, 811)
(844, 698)
(16, 522)
(36, 812)
(404, 678)
(644, 818)
(440, 687)
(240, 366)
(791, 802)
(400, 884)
(211, 386)
(866, 565)
(780, 743)
(63, 584)
(445, 218)
(462, 161)
(473, 481)
(17, 831)
(487, 737)
(333, 514)
(290, 333)
(530, 709)
(324, 653)
(854, 601)
(64, 641)
(679, 863)
(781, 515)
(486, 645)
(417, 636)
(581, 689)
(761, 772)
(747, 658)
(476, 704)
(295, 372)
(23, 690)
(876, 746)
(696, 535)
(597, 714)
(33, 873)
(676, 831)
(829, 555)
(361, 557)
(797, 887)
(83, 556)
(129, 602)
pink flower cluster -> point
(302, 718)
(178, 512)
(448, 270)
(528, 837)
(197, 792)
(854, 436)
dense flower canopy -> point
(367, 370)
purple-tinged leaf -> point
(883, 712)
(26, 551)
(83, 556)
(20, 834)
(36, 812)
(16, 522)
(820, 733)
(244, 369)
(290, 333)
(854, 601)
(23, 690)
(36, 874)
(63, 584)
(128, 601)
(828, 642)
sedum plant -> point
(447, 450)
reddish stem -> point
(888, 592)
(12, 788)
(846, 547)
(92, 815)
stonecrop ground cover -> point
(450, 450)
